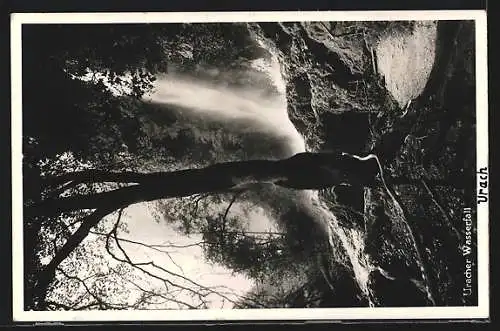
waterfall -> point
(260, 113)
(249, 109)
(351, 240)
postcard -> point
(258, 166)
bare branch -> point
(235, 196)
(152, 247)
(172, 299)
(201, 291)
(140, 264)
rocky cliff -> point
(404, 91)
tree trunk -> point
(301, 171)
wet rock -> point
(396, 292)
(345, 292)
(390, 241)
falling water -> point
(352, 241)
(260, 113)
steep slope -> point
(348, 85)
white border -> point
(19, 315)
(482, 159)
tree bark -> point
(301, 171)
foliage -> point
(91, 78)
(257, 254)
(82, 106)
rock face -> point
(397, 292)
(405, 61)
(347, 86)
(326, 70)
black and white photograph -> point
(260, 165)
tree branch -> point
(99, 176)
(139, 265)
(301, 171)
(46, 275)
(235, 196)
(100, 302)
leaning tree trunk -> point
(301, 171)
